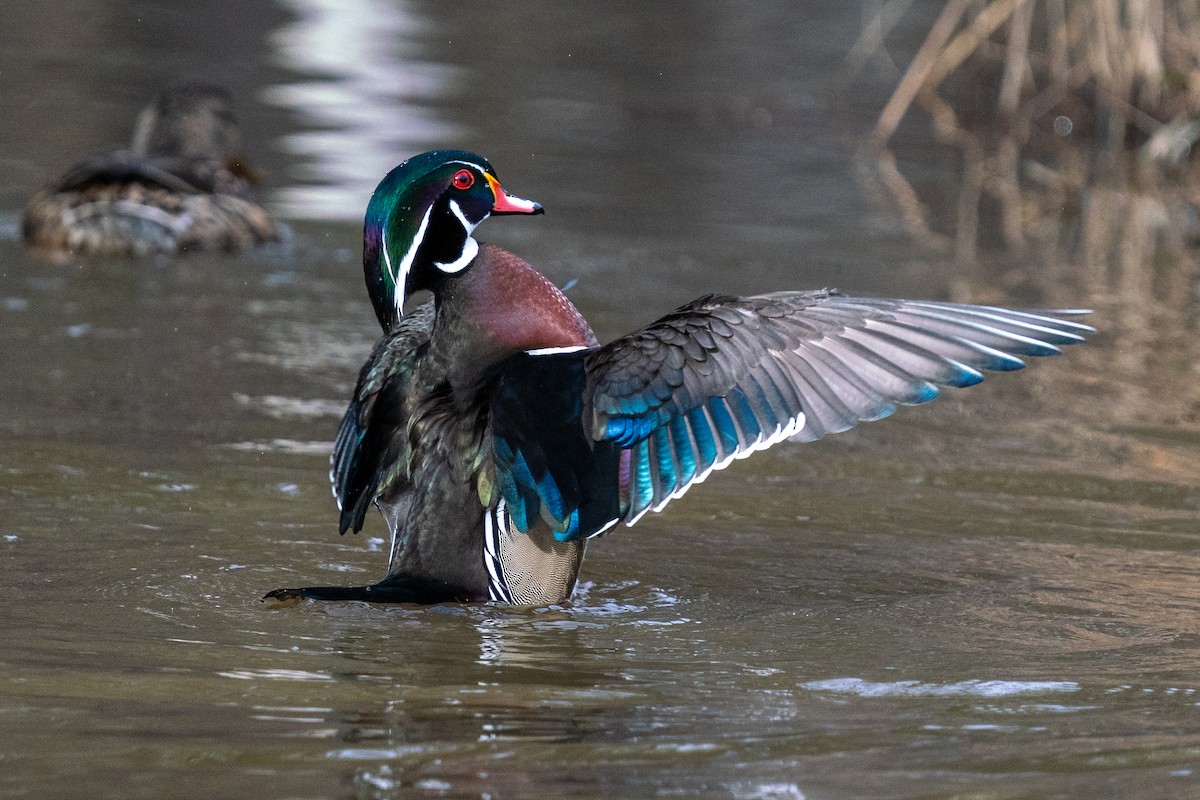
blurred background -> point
(995, 596)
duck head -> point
(417, 233)
(193, 120)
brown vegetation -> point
(1075, 121)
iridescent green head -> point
(419, 223)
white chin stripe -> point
(469, 251)
(470, 246)
(468, 226)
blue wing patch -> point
(545, 464)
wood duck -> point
(497, 436)
(180, 186)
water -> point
(996, 596)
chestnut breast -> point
(502, 306)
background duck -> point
(181, 185)
(497, 436)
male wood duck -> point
(496, 435)
(180, 186)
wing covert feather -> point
(370, 451)
(726, 376)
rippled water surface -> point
(997, 596)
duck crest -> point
(392, 233)
(378, 271)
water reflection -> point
(366, 98)
(971, 688)
(517, 638)
(1094, 208)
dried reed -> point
(1080, 95)
(1075, 121)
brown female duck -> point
(180, 186)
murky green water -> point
(997, 596)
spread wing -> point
(373, 438)
(726, 376)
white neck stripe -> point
(470, 249)
(400, 277)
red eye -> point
(463, 179)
